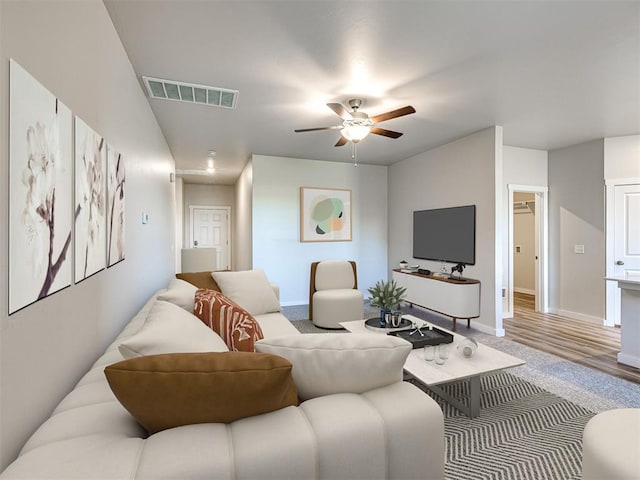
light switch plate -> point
(578, 249)
(145, 218)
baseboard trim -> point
(627, 359)
(496, 332)
(526, 291)
(577, 316)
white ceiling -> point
(552, 73)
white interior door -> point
(210, 229)
(626, 241)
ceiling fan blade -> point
(400, 112)
(334, 127)
(385, 133)
(341, 141)
(339, 110)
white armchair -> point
(333, 293)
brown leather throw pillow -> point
(199, 279)
(171, 390)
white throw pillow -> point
(327, 363)
(180, 293)
(250, 289)
(170, 329)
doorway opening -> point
(532, 201)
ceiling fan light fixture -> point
(355, 133)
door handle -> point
(619, 262)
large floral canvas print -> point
(40, 184)
(115, 206)
(325, 214)
(90, 201)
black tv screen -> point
(445, 234)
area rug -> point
(523, 432)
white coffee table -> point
(485, 360)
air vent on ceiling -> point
(191, 93)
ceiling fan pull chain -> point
(354, 153)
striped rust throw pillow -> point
(234, 324)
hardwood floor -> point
(581, 342)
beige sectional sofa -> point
(356, 419)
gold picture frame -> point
(325, 214)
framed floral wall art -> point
(325, 215)
(40, 184)
(90, 201)
(115, 206)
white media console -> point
(451, 297)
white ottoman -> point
(611, 446)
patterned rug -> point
(523, 432)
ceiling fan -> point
(356, 125)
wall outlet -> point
(578, 249)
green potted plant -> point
(386, 296)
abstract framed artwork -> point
(115, 206)
(90, 201)
(325, 214)
(40, 184)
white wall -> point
(576, 217)
(521, 166)
(73, 49)
(463, 172)
(622, 157)
(243, 244)
(276, 221)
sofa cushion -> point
(276, 325)
(327, 363)
(250, 289)
(180, 293)
(170, 390)
(171, 329)
(199, 279)
(234, 324)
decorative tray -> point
(374, 324)
(435, 336)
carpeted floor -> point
(532, 417)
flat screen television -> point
(445, 234)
